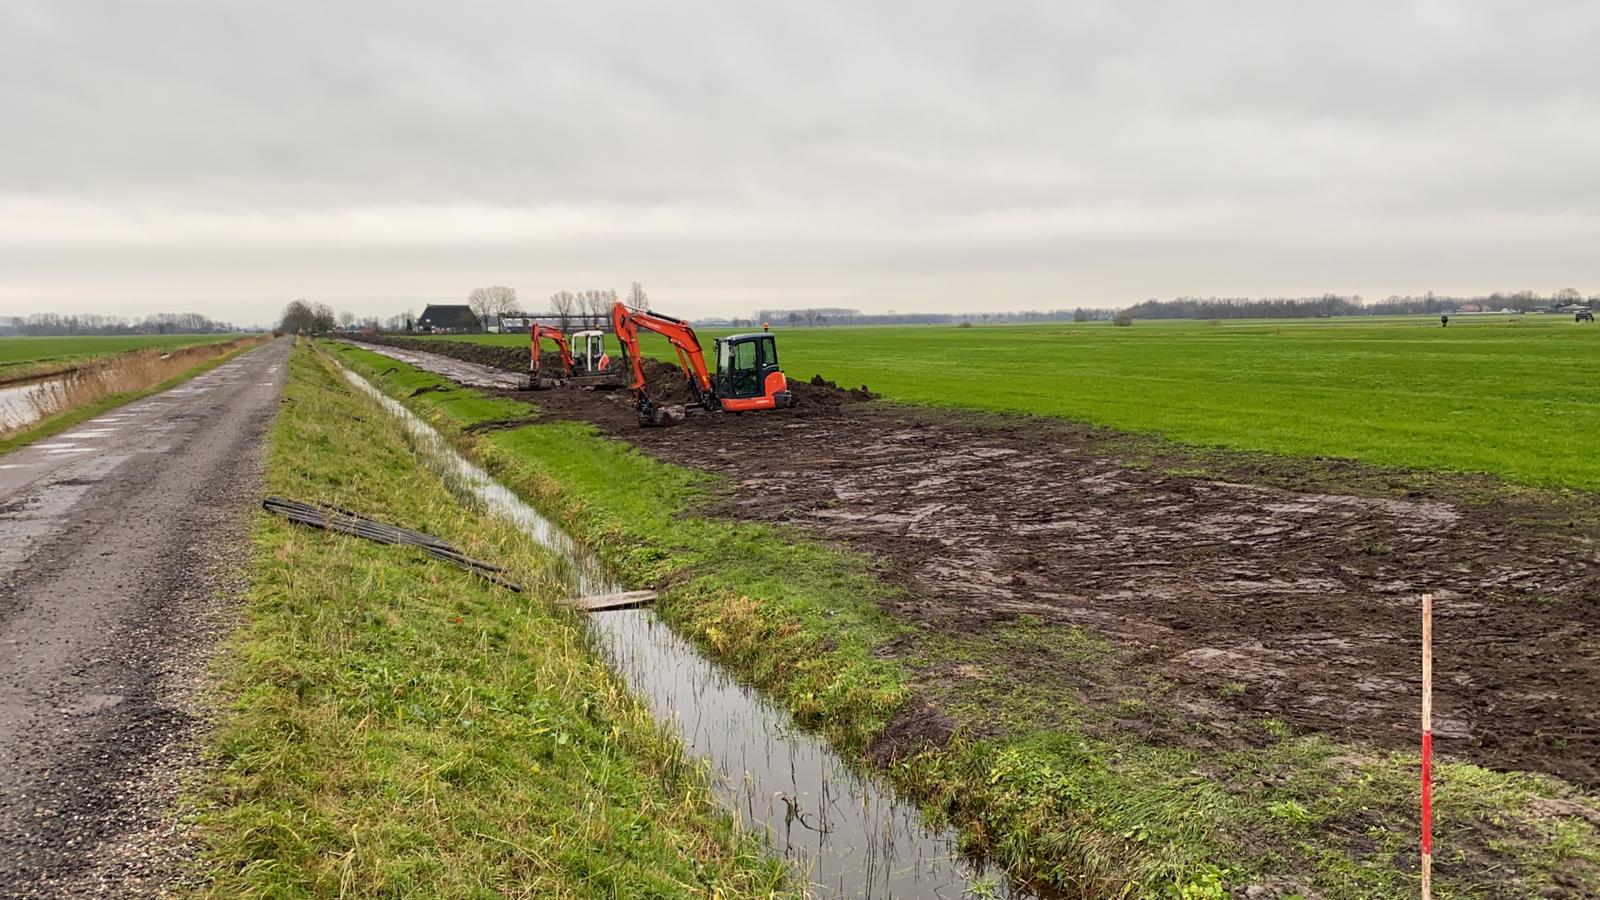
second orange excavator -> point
(590, 366)
(747, 377)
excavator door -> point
(748, 376)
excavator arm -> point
(544, 331)
(626, 322)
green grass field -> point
(1514, 397)
(44, 351)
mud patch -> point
(1281, 599)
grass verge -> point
(392, 726)
(88, 409)
(1049, 785)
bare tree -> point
(563, 304)
(637, 298)
(346, 319)
(597, 304)
(493, 301)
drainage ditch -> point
(845, 832)
(23, 404)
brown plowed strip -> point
(1306, 596)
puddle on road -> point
(845, 832)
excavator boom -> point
(540, 332)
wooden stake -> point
(1427, 746)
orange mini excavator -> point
(747, 379)
(591, 363)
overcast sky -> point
(226, 157)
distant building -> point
(447, 317)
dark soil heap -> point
(512, 359)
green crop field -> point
(17, 351)
(1511, 396)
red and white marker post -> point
(1427, 746)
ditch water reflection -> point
(845, 832)
(21, 404)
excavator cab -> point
(748, 376)
(589, 353)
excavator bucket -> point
(662, 415)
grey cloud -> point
(1066, 152)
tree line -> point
(819, 316)
(591, 309)
(1337, 305)
(59, 325)
(580, 309)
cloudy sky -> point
(226, 157)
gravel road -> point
(123, 544)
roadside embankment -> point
(29, 412)
(1068, 747)
(394, 726)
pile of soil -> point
(824, 393)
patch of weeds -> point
(1275, 727)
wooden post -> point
(1427, 746)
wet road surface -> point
(122, 541)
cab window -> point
(769, 352)
(744, 356)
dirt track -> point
(120, 540)
(1260, 587)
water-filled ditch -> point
(844, 830)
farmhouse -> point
(448, 317)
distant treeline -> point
(57, 325)
(1337, 305)
(836, 316)
(1185, 308)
